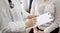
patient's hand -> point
(30, 22)
(31, 16)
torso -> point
(41, 7)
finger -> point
(35, 29)
(40, 31)
(34, 18)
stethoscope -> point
(11, 4)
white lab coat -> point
(56, 23)
(18, 11)
(6, 15)
(18, 15)
(25, 4)
(39, 8)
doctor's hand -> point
(30, 22)
(37, 31)
(31, 16)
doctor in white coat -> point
(56, 23)
(11, 19)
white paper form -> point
(42, 19)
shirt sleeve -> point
(16, 26)
(51, 28)
(25, 14)
(50, 8)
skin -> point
(31, 16)
(37, 31)
(30, 23)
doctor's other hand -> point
(30, 22)
(37, 31)
(31, 16)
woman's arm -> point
(51, 28)
(50, 8)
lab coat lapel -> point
(4, 13)
(16, 11)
